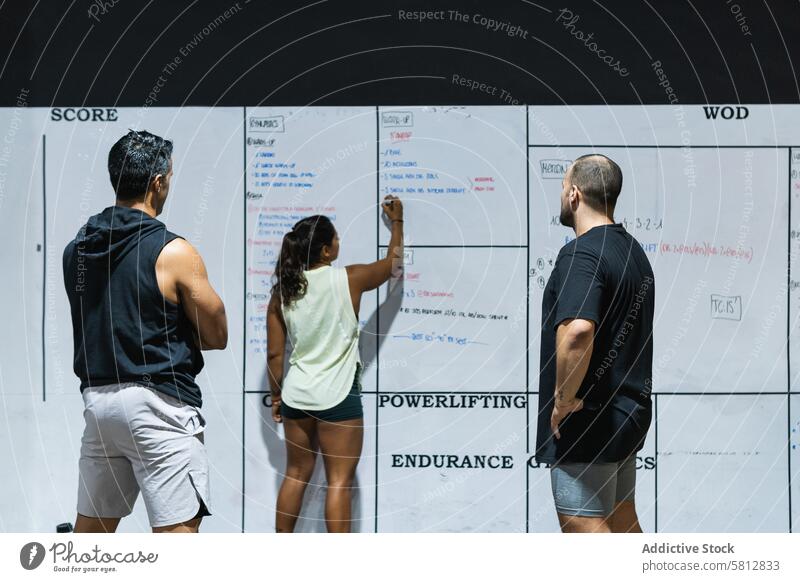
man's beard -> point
(566, 217)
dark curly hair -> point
(134, 160)
(301, 247)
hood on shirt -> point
(114, 232)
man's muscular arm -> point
(182, 278)
(574, 345)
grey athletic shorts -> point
(592, 489)
(138, 439)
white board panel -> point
(794, 270)
(456, 321)
(39, 445)
(22, 191)
(721, 271)
(451, 464)
(302, 162)
(722, 463)
(716, 239)
(713, 200)
(460, 172)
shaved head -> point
(599, 179)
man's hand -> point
(560, 411)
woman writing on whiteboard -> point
(316, 306)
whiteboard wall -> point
(452, 349)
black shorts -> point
(347, 409)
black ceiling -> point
(334, 52)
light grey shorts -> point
(138, 439)
(592, 489)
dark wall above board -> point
(335, 52)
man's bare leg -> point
(624, 519)
(191, 526)
(579, 524)
(85, 524)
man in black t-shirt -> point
(596, 357)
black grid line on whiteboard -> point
(655, 454)
(44, 268)
(244, 306)
(377, 301)
(789, 340)
(530, 374)
(661, 146)
(527, 316)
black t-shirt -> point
(603, 276)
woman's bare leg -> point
(340, 443)
(300, 459)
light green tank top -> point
(323, 336)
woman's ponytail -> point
(301, 248)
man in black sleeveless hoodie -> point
(142, 311)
